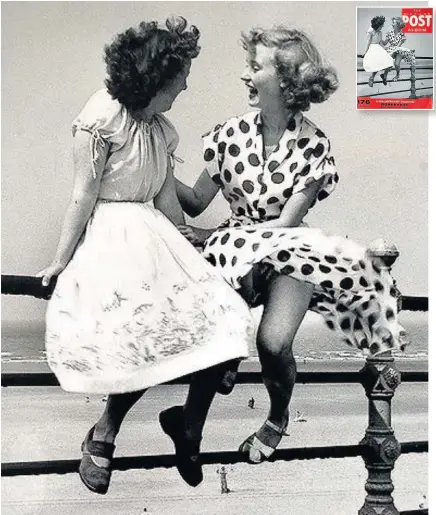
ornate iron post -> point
(412, 82)
(380, 378)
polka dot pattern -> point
(355, 297)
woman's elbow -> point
(193, 211)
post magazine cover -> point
(394, 57)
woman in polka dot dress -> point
(393, 44)
(272, 166)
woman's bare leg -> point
(286, 305)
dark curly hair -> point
(377, 22)
(304, 77)
(140, 61)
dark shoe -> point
(187, 451)
(96, 477)
(228, 378)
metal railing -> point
(379, 448)
(412, 79)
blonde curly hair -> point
(305, 79)
(398, 20)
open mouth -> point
(252, 91)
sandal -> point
(371, 82)
(187, 451)
(257, 451)
(94, 472)
(396, 78)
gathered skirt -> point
(138, 306)
(377, 59)
(356, 296)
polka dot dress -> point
(394, 42)
(356, 297)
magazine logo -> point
(418, 19)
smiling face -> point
(261, 78)
(166, 96)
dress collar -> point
(293, 128)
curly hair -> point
(305, 79)
(139, 62)
(400, 21)
(377, 22)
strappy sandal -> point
(187, 451)
(396, 78)
(96, 477)
(262, 452)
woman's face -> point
(165, 97)
(260, 77)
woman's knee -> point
(275, 341)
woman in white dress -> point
(135, 304)
(375, 57)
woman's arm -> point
(195, 200)
(295, 208)
(166, 200)
(368, 42)
(85, 190)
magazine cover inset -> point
(394, 57)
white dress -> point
(137, 305)
(376, 57)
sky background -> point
(52, 62)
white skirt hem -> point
(135, 380)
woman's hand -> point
(195, 235)
(51, 271)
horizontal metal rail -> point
(31, 468)
(393, 92)
(399, 80)
(10, 379)
(30, 285)
(416, 68)
(416, 57)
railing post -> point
(412, 82)
(380, 378)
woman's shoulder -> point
(170, 132)
(231, 125)
(370, 31)
(311, 130)
(101, 111)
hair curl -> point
(377, 22)
(139, 62)
(400, 21)
(305, 79)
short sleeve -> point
(211, 153)
(320, 167)
(170, 134)
(105, 119)
(370, 31)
